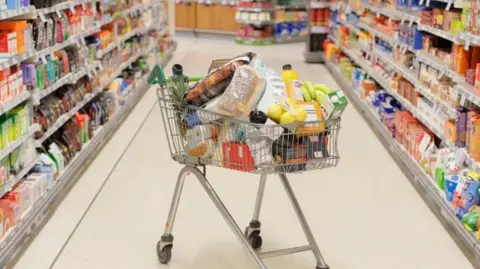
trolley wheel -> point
(255, 239)
(164, 254)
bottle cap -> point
(287, 67)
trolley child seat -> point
(198, 137)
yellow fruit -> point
(275, 111)
(287, 118)
(301, 114)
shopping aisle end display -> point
(412, 70)
(70, 73)
(384, 191)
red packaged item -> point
(237, 156)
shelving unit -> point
(279, 32)
(316, 33)
(421, 181)
(376, 61)
(18, 237)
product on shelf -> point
(66, 74)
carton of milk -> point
(334, 103)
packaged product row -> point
(244, 116)
(445, 166)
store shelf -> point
(122, 67)
(256, 9)
(122, 39)
(323, 4)
(64, 118)
(253, 41)
(63, 5)
(15, 179)
(386, 84)
(15, 144)
(424, 185)
(23, 232)
(440, 33)
(439, 65)
(290, 39)
(16, 59)
(389, 38)
(319, 30)
(15, 101)
(8, 14)
(259, 23)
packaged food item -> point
(333, 104)
(241, 95)
(237, 156)
(313, 114)
(215, 82)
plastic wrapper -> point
(241, 96)
(215, 83)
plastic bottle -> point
(288, 74)
(292, 84)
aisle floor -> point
(364, 213)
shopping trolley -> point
(243, 146)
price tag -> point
(467, 43)
(463, 100)
(449, 5)
(42, 17)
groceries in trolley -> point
(245, 116)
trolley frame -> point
(251, 237)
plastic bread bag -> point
(215, 82)
(241, 96)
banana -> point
(306, 94)
(310, 89)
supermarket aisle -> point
(364, 213)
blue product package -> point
(290, 28)
(470, 197)
(278, 29)
(192, 120)
(295, 29)
(451, 182)
(11, 4)
(417, 39)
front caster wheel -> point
(164, 254)
(255, 239)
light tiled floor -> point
(364, 213)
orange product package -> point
(19, 28)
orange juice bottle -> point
(288, 74)
(292, 85)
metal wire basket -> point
(201, 137)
